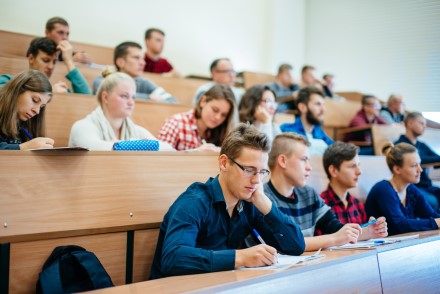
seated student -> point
(309, 79)
(310, 104)
(328, 85)
(205, 229)
(290, 168)
(341, 164)
(415, 126)
(258, 106)
(42, 56)
(128, 58)
(222, 73)
(285, 88)
(209, 122)
(22, 108)
(110, 122)
(398, 199)
(367, 115)
(57, 29)
(154, 42)
(394, 112)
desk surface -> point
(361, 266)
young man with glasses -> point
(223, 73)
(290, 168)
(205, 229)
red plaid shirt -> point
(157, 66)
(355, 211)
(180, 131)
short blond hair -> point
(280, 145)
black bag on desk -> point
(72, 269)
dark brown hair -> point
(337, 153)
(250, 101)
(218, 92)
(244, 135)
(30, 80)
(50, 24)
(150, 31)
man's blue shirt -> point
(297, 127)
(197, 234)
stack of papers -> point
(375, 242)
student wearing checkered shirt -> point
(290, 168)
(341, 164)
(205, 127)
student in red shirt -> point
(154, 42)
(341, 164)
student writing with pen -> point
(205, 229)
(22, 107)
(290, 168)
(342, 166)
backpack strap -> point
(51, 276)
(96, 272)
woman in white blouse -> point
(110, 122)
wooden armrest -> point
(353, 129)
(361, 143)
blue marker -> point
(369, 223)
(258, 236)
(262, 241)
(27, 133)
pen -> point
(369, 223)
(258, 236)
(27, 133)
(262, 241)
(379, 242)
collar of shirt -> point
(218, 197)
(282, 197)
(332, 197)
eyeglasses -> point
(228, 71)
(270, 103)
(250, 172)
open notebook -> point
(285, 261)
(375, 242)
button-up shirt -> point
(197, 234)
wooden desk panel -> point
(411, 266)
(27, 258)
(64, 194)
(145, 242)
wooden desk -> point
(112, 203)
(16, 44)
(329, 270)
(255, 78)
(386, 269)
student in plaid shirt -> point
(205, 127)
(341, 164)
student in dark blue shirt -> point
(398, 199)
(205, 229)
(415, 125)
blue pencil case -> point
(137, 145)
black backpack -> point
(72, 269)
